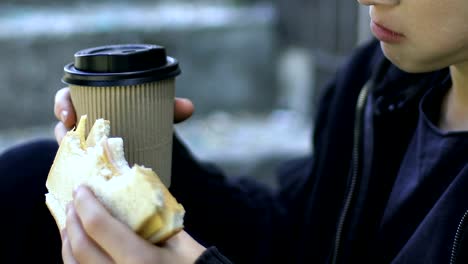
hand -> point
(92, 235)
(65, 112)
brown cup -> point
(133, 87)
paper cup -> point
(139, 102)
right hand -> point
(93, 235)
(65, 112)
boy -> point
(386, 183)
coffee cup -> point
(132, 86)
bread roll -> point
(135, 196)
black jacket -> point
(329, 205)
(355, 152)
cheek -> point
(443, 34)
(431, 46)
(444, 45)
(440, 30)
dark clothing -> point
(298, 224)
(433, 162)
(335, 203)
(29, 233)
(212, 256)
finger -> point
(63, 234)
(63, 107)
(185, 245)
(114, 237)
(176, 239)
(83, 248)
(183, 109)
(67, 255)
(60, 131)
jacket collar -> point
(393, 89)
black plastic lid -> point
(120, 65)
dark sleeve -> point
(241, 217)
(247, 221)
(212, 256)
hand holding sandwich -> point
(92, 235)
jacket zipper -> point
(354, 170)
(458, 237)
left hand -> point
(65, 112)
(92, 235)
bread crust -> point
(54, 215)
(120, 184)
(162, 239)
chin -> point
(408, 62)
(411, 66)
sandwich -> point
(134, 195)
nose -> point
(379, 2)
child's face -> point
(434, 33)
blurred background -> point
(253, 68)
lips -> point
(385, 34)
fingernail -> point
(63, 116)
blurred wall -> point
(225, 52)
(318, 35)
(235, 55)
(254, 69)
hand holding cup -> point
(65, 112)
(132, 86)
